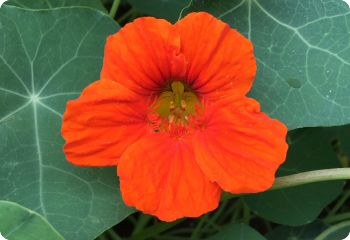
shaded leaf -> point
(338, 231)
(310, 149)
(303, 55)
(341, 145)
(46, 58)
(237, 231)
(18, 223)
(306, 232)
(167, 9)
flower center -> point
(176, 107)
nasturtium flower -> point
(171, 112)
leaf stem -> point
(339, 204)
(246, 213)
(337, 218)
(126, 15)
(196, 231)
(184, 8)
(153, 230)
(114, 8)
(113, 235)
(311, 177)
(141, 223)
(237, 210)
(217, 213)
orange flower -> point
(171, 112)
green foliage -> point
(237, 231)
(303, 56)
(338, 231)
(51, 49)
(49, 4)
(310, 149)
(306, 232)
(167, 9)
(18, 223)
(47, 57)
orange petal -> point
(240, 147)
(101, 123)
(143, 55)
(221, 60)
(159, 176)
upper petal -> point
(101, 123)
(159, 176)
(240, 147)
(221, 60)
(143, 55)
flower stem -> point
(299, 179)
(126, 15)
(311, 177)
(149, 232)
(114, 8)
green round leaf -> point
(46, 58)
(338, 231)
(303, 55)
(167, 9)
(310, 149)
(18, 223)
(237, 231)
(49, 4)
(306, 232)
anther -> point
(172, 105)
(171, 118)
(183, 104)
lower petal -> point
(240, 147)
(159, 176)
(101, 123)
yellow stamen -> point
(183, 104)
(176, 105)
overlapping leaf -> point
(310, 149)
(303, 54)
(18, 223)
(46, 58)
(338, 231)
(237, 231)
(306, 232)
